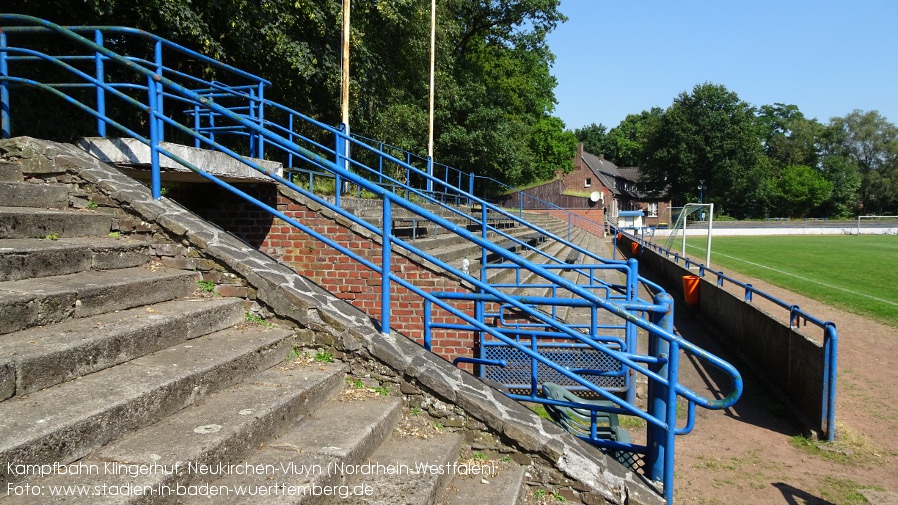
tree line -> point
(755, 162)
(495, 100)
(494, 90)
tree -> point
(799, 190)
(550, 142)
(594, 138)
(788, 137)
(494, 89)
(871, 143)
(709, 135)
(627, 141)
(846, 181)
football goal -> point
(876, 225)
(694, 219)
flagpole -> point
(433, 38)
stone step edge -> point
(54, 299)
(66, 422)
(338, 435)
(37, 358)
(29, 258)
(429, 464)
(212, 437)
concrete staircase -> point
(119, 374)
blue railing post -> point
(5, 128)
(470, 186)
(339, 160)
(385, 266)
(430, 173)
(479, 308)
(427, 320)
(631, 332)
(159, 94)
(155, 179)
(100, 74)
(830, 361)
(658, 400)
(251, 111)
(260, 138)
(483, 234)
(291, 137)
(197, 124)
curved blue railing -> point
(158, 83)
(796, 314)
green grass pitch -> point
(855, 273)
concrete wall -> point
(786, 359)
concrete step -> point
(506, 486)
(22, 194)
(461, 248)
(67, 422)
(10, 172)
(24, 222)
(46, 300)
(26, 258)
(414, 485)
(338, 436)
(37, 358)
(201, 442)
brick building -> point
(598, 190)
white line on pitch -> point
(865, 295)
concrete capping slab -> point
(126, 151)
(351, 329)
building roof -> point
(607, 172)
(603, 169)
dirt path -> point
(748, 454)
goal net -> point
(693, 219)
(875, 225)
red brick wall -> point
(338, 273)
(575, 180)
(351, 281)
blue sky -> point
(828, 57)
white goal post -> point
(888, 227)
(687, 215)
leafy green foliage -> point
(206, 286)
(801, 189)
(709, 135)
(594, 138)
(626, 142)
(253, 318)
(324, 357)
(494, 88)
(870, 142)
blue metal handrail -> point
(663, 376)
(587, 224)
(358, 142)
(796, 314)
(159, 45)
